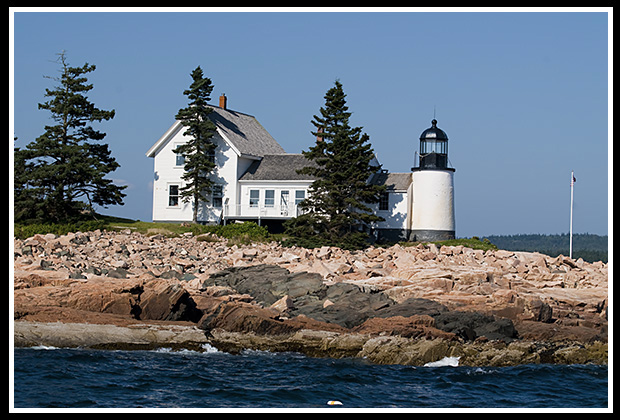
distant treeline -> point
(588, 246)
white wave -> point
(208, 348)
(446, 361)
(42, 347)
(482, 371)
(252, 352)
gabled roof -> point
(242, 131)
(397, 181)
(280, 167)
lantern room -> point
(433, 148)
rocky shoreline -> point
(397, 305)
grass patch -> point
(23, 231)
(474, 242)
(236, 233)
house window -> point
(384, 201)
(300, 195)
(254, 194)
(211, 156)
(217, 194)
(180, 159)
(270, 198)
(173, 195)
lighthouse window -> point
(433, 146)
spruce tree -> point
(64, 166)
(337, 204)
(199, 151)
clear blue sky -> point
(522, 96)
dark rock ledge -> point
(269, 308)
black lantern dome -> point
(434, 133)
(433, 148)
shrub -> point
(23, 231)
(351, 241)
(239, 233)
(309, 231)
(247, 230)
(474, 242)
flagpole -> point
(572, 181)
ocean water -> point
(70, 378)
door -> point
(284, 203)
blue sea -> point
(79, 378)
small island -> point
(410, 305)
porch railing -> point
(261, 211)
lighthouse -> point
(432, 206)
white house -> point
(255, 179)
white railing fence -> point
(261, 210)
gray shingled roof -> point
(397, 181)
(283, 167)
(245, 132)
(280, 167)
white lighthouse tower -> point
(433, 189)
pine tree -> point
(64, 165)
(199, 151)
(338, 199)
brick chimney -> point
(223, 101)
(319, 138)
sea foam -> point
(446, 361)
(42, 347)
(206, 349)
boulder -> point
(267, 283)
(471, 325)
(107, 336)
(283, 305)
(98, 294)
(541, 311)
(166, 301)
(245, 318)
(400, 350)
(416, 326)
(349, 305)
(413, 306)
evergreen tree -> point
(338, 199)
(64, 165)
(199, 151)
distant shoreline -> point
(591, 247)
